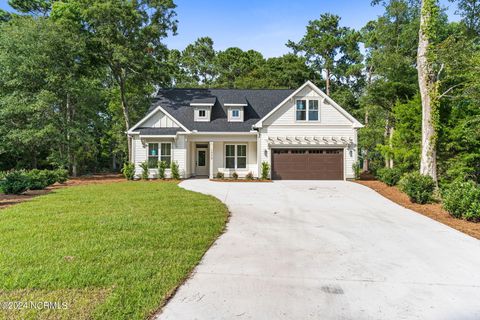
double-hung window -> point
(202, 113)
(312, 110)
(301, 112)
(236, 156)
(155, 154)
(235, 113)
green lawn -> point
(110, 251)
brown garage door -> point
(307, 164)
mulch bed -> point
(431, 210)
(7, 200)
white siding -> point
(286, 115)
(219, 159)
(140, 153)
(332, 123)
(159, 120)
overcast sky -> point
(264, 25)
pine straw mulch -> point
(7, 200)
(431, 210)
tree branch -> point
(448, 90)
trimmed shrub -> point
(220, 175)
(249, 176)
(356, 170)
(144, 166)
(265, 170)
(51, 176)
(128, 170)
(38, 179)
(15, 182)
(175, 171)
(162, 167)
(62, 175)
(462, 200)
(418, 187)
(235, 175)
(389, 176)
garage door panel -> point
(307, 164)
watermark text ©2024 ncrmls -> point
(37, 305)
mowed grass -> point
(110, 251)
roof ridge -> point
(265, 89)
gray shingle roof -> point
(260, 102)
(159, 131)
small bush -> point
(128, 170)
(175, 171)
(15, 182)
(249, 176)
(418, 187)
(144, 167)
(62, 175)
(356, 170)
(51, 176)
(235, 175)
(38, 179)
(389, 176)
(162, 167)
(462, 200)
(265, 170)
(220, 175)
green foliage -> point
(15, 182)
(462, 200)
(235, 175)
(265, 170)
(61, 175)
(418, 187)
(128, 170)
(220, 175)
(145, 173)
(175, 170)
(38, 179)
(390, 176)
(162, 167)
(356, 169)
(249, 176)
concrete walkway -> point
(328, 250)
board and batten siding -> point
(159, 120)
(331, 123)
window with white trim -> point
(202, 113)
(312, 110)
(235, 113)
(301, 112)
(155, 154)
(236, 156)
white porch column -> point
(210, 164)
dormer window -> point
(202, 108)
(202, 113)
(235, 113)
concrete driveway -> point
(328, 250)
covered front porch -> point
(211, 153)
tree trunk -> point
(126, 112)
(426, 81)
(327, 82)
(390, 143)
(386, 135)
(365, 153)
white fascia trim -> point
(235, 105)
(223, 133)
(355, 122)
(202, 104)
(158, 136)
(148, 116)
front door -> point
(201, 168)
